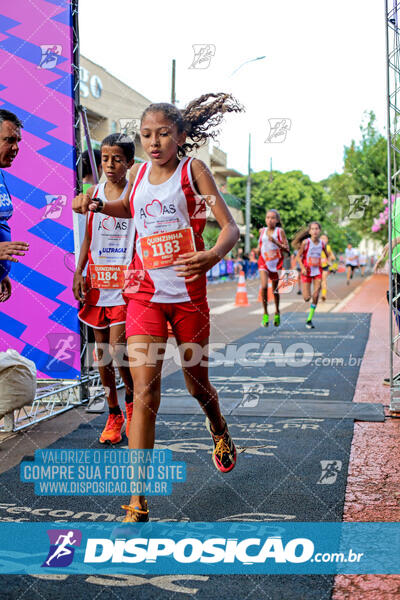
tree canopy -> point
(339, 202)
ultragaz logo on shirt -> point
(112, 251)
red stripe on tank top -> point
(192, 201)
(147, 285)
(139, 178)
(195, 289)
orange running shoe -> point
(129, 409)
(112, 431)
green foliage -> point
(210, 236)
(297, 198)
(365, 173)
(300, 200)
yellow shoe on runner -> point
(112, 431)
(136, 514)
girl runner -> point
(107, 245)
(166, 198)
(325, 266)
(310, 248)
(272, 243)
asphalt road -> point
(281, 472)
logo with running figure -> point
(330, 470)
(278, 130)
(357, 205)
(62, 547)
(50, 55)
(204, 203)
(62, 348)
(55, 205)
(287, 280)
(129, 127)
(203, 54)
(251, 394)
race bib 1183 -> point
(162, 249)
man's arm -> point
(10, 249)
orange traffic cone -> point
(241, 294)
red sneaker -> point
(112, 431)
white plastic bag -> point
(17, 381)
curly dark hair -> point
(303, 234)
(197, 118)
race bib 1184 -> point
(107, 276)
(162, 249)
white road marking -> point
(219, 310)
(325, 307)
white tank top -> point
(271, 253)
(111, 243)
(166, 207)
(312, 256)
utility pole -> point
(173, 96)
(248, 202)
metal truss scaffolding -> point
(392, 10)
(55, 396)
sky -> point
(324, 66)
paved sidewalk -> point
(373, 485)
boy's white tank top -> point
(111, 243)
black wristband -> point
(100, 205)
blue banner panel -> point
(36, 83)
(200, 548)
